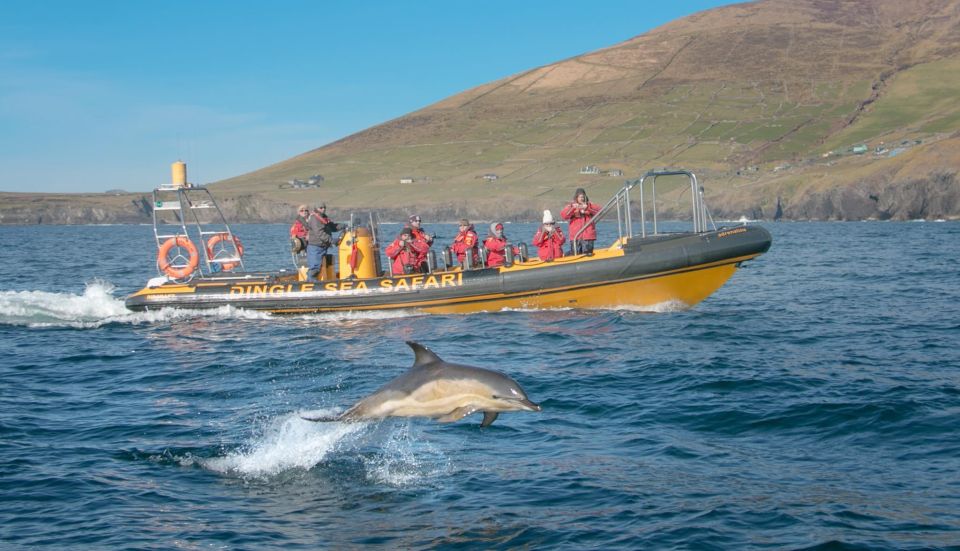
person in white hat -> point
(549, 239)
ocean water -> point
(813, 402)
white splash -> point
(94, 308)
(406, 459)
(289, 443)
(403, 458)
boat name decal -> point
(732, 232)
(387, 285)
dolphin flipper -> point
(457, 414)
(488, 418)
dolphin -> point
(439, 390)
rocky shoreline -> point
(933, 198)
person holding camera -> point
(579, 213)
(423, 237)
(405, 252)
(465, 240)
(496, 245)
(549, 239)
(320, 230)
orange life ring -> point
(180, 272)
(226, 266)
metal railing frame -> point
(186, 203)
(621, 203)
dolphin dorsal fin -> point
(423, 355)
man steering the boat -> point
(320, 230)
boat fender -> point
(508, 256)
(226, 266)
(178, 272)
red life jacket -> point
(298, 229)
(406, 259)
(578, 219)
(420, 236)
(549, 246)
(496, 250)
(463, 242)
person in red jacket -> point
(579, 213)
(422, 237)
(298, 234)
(466, 240)
(549, 239)
(496, 245)
(405, 252)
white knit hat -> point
(547, 217)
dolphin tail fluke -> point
(488, 418)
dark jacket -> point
(320, 230)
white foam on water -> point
(534, 309)
(362, 315)
(406, 459)
(94, 308)
(659, 308)
(288, 443)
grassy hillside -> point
(762, 100)
(751, 96)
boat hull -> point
(674, 271)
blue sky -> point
(98, 95)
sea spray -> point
(95, 307)
(405, 458)
(288, 442)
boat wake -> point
(659, 308)
(94, 308)
(362, 315)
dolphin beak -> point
(530, 405)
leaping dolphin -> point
(439, 390)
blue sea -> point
(811, 403)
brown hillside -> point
(754, 85)
(764, 100)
